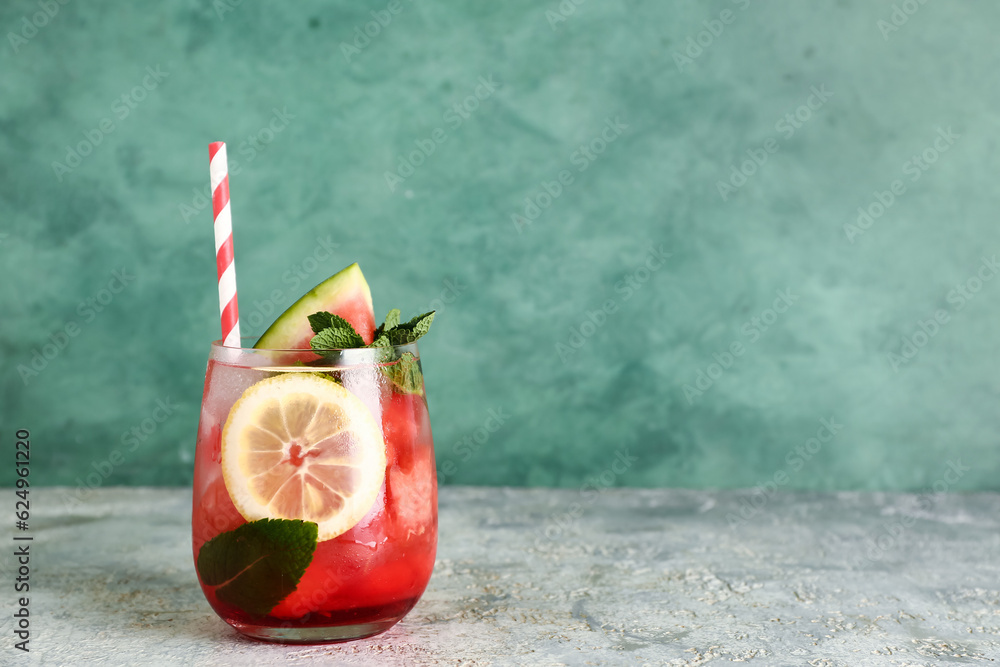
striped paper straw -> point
(228, 308)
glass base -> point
(316, 635)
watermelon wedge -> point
(345, 294)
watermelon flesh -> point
(345, 294)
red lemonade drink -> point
(340, 446)
(315, 491)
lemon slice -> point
(298, 446)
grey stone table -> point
(545, 577)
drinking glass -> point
(322, 463)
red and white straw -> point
(228, 308)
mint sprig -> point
(258, 564)
(333, 332)
(405, 375)
(336, 338)
(393, 333)
(391, 322)
(336, 333)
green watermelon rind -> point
(293, 324)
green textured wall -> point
(619, 123)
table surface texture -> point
(556, 577)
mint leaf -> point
(403, 334)
(393, 333)
(384, 349)
(405, 375)
(319, 321)
(336, 333)
(333, 332)
(336, 339)
(258, 564)
(392, 319)
(323, 320)
(400, 336)
(420, 324)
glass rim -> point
(218, 344)
(344, 359)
